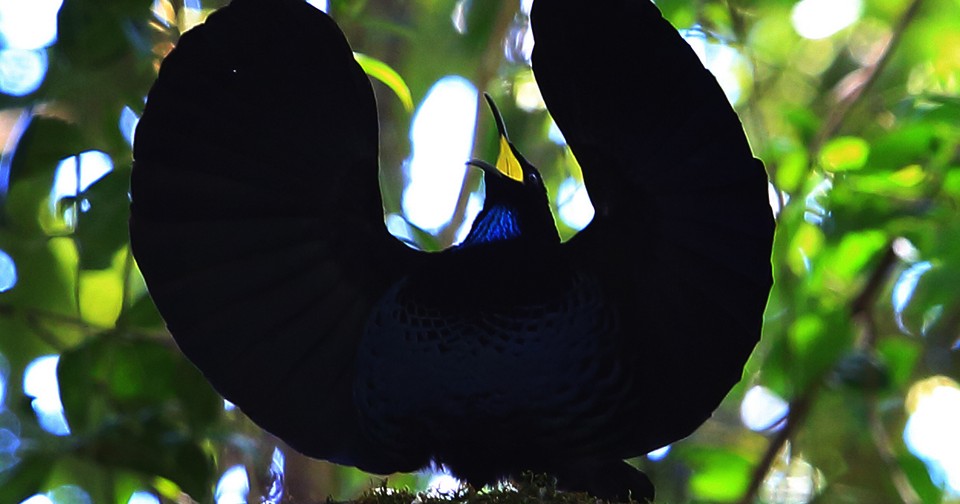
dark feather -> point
(258, 225)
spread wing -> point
(682, 235)
(257, 219)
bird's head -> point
(516, 203)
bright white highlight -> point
(763, 410)
(817, 19)
(931, 434)
(903, 291)
(8, 279)
(40, 383)
(278, 463)
(319, 4)
(659, 453)
(128, 124)
(93, 166)
(143, 498)
(721, 59)
(38, 499)
(29, 24)
(442, 136)
(22, 70)
(233, 486)
(574, 204)
(442, 483)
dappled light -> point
(817, 19)
(22, 70)
(442, 137)
(28, 25)
(442, 483)
(762, 410)
(66, 494)
(128, 124)
(26, 29)
(659, 453)
(320, 4)
(573, 204)
(8, 277)
(931, 431)
(75, 175)
(904, 288)
(852, 393)
(278, 467)
(723, 61)
(40, 384)
(793, 480)
(142, 497)
(233, 487)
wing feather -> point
(682, 236)
(257, 221)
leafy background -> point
(851, 396)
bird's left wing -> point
(257, 221)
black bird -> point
(258, 225)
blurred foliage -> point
(859, 132)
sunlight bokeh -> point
(40, 383)
(22, 70)
(903, 291)
(128, 124)
(320, 4)
(763, 410)
(8, 279)
(75, 175)
(26, 29)
(233, 487)
(659, 453)
(817, 19)
(573, 204)
(143, 498)
(278, 468)
(724, 62)
(931, 431)
(442, 137)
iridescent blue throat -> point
(499, 223)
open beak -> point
(507, 163)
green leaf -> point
(844, 154)
(155, 448)
(44, 143)
(95, 34)
(718, 475)
(900, 356)
(919, 478)
(102, 230)
(110, 376)
(382, 72)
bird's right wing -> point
(257, 222)
(682, 235)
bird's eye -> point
(533, 177)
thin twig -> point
(842, 109)
(862, 311)
(799, 409)
(489, 66)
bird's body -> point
(509, 352)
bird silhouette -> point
(257, 222)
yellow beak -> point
(507, 162)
